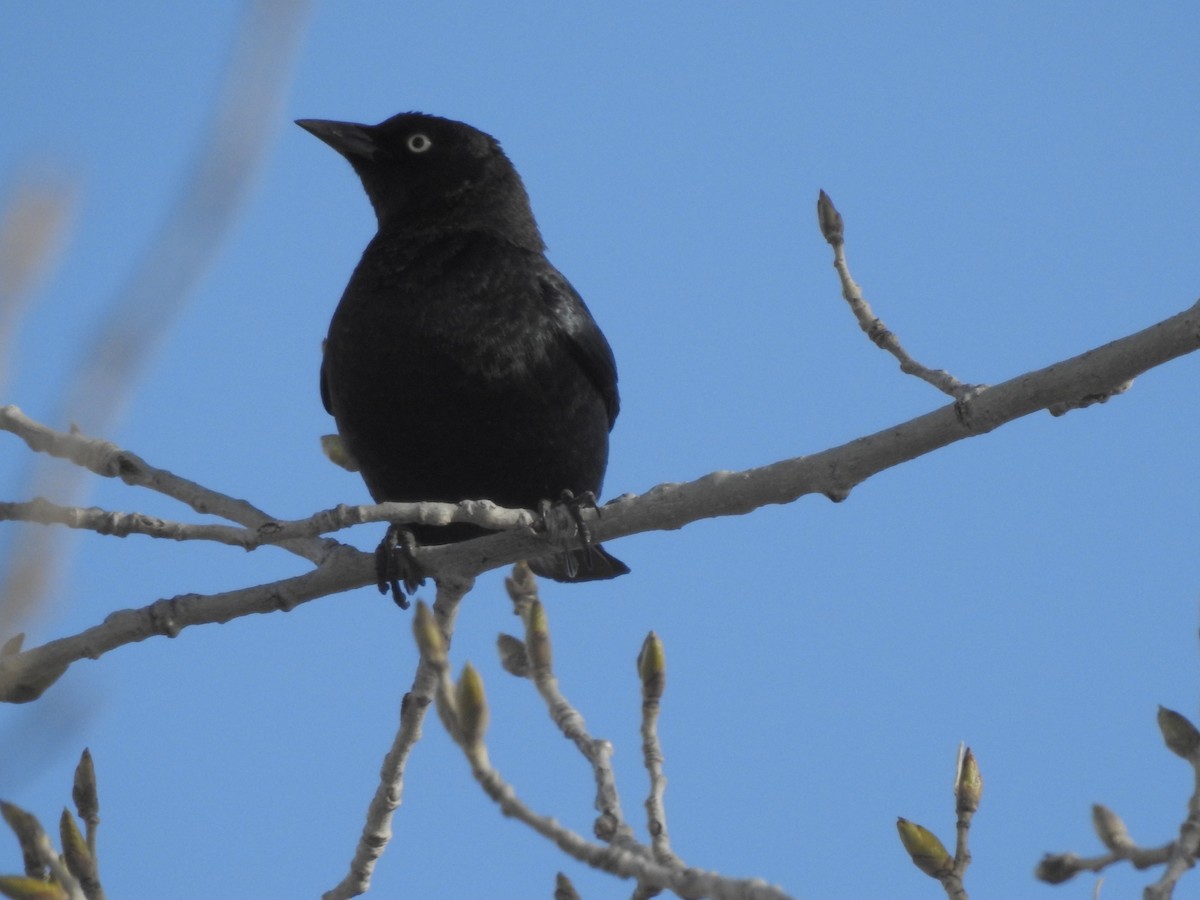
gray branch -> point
(832, 472)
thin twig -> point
(122, 524)
(625, 863)
(610, 825)
(377, 831)
(833, 229)
(483, 513)
(1055, 868)
(1185, 849)
(107, 459)
(463, 712)
(1180, 855)
(656, 814)
(288, 533)
(652, 671)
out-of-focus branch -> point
(1183, 739)
(33, 225)
(246, 116)
(377, 831)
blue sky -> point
(1019, 185)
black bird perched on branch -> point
(460, 364)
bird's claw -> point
(396, 565)
(574, 505)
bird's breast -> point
(449, 379)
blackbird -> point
(460, 364)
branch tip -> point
(830, 221)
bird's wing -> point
(582, 335)
(325, 383)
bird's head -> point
(427, 174)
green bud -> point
(968, 783)
(925, 850)
(1180, 735)
(337, 452)
(20, 887)
(652, 667)
(563, 889)
(830, 220)
(521, 584)
(78, 858)
(1110, 829)
(87, 802)
(1055, 868)
(537, 637)
(429, 637)
(13, 645)
(472, 706)
(29, 834)
(513, 655)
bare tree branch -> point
(1183, 739)
(24, 675)
(122, 524)
(32, 228)
(287, 533)
(832, 472)
(833, 230)
(107, 459)
(610, 826)
(652, 669)
(377, 831)
(463, 709)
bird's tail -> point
(592, 563)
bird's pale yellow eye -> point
(418, 143)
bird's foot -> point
(574, 505)
(396, 565)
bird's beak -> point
(350, 139)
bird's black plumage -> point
(460, 364)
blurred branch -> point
(142, 312)
(1183, 739)
(32, 230)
